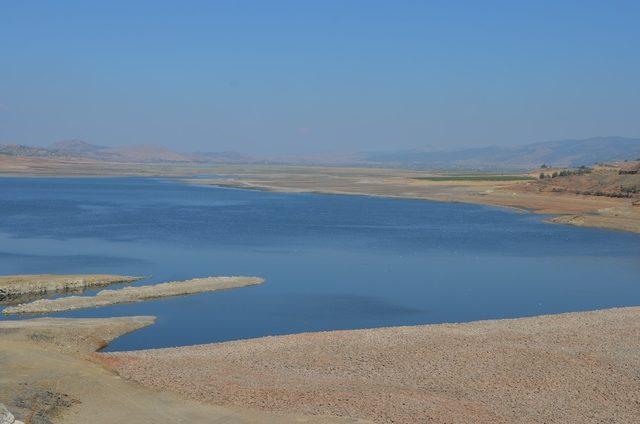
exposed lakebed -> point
(330, 262)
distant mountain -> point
(565, 153)
(26, 151)
(131, 154)
(145, 153)
(75, 148)
(138, 153)
(222, 157)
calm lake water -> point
(331, 262)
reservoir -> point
(330, 262)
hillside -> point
(619, 180)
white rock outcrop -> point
(7, 417)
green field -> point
(477, 178)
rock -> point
(7, 417)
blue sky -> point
(302, 76)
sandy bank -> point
(569, 368)
(15, 286)
(80, 336)
(47, 376)
(133, 294)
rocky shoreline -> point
(49, 376)
(567, 368)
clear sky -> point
(312, 76)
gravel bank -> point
(568, 368)
(48, 376)
(13, 286)
(133, 294)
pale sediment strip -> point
(567, 368)
(133, 294)
(14, 286)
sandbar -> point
(15, 286)
(132, 294)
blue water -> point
(331, 262)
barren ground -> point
(568, 368)
(47, 376)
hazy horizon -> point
(318, 154)
(293, 77)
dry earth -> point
(47, 376)
(132, 294)
(568, 368)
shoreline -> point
(269, 189)
(570, 367)
(590, 219)
(566, 208)
(48, 375)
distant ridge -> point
(26, 151)
(565, 153)
(75, 147)
(129, 154)
(138, 153)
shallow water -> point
(331, 262)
